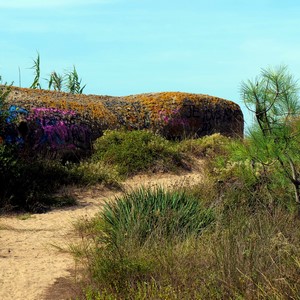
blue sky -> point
(123, 47)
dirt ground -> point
(33, 264)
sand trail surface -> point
(31, 258)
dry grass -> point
(251, 252)
(254, 257)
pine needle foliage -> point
(274, 99)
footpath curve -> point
(31, 256)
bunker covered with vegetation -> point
(72, 121)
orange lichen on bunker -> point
(173, 114)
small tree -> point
(273, 98)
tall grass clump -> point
(147, 214)
(135, 151)
(131, 232)
(253, 256)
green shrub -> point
(134, 151)
(244, 181)
(9, 172)
(93, 172)
(29, 185)
(206, 147)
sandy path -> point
(29, 263)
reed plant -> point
(37, 73)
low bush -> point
(206, 147)
(134, 151)
(242, 180)
(29, 185)
(93, 172)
